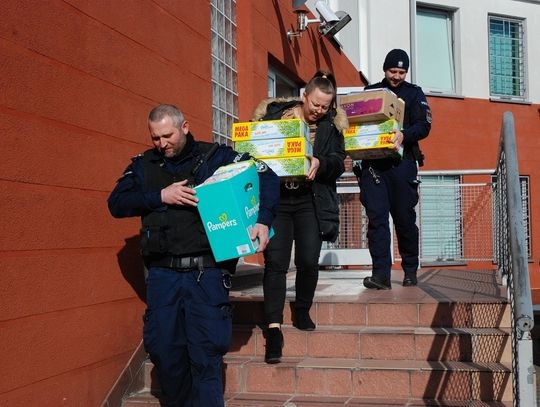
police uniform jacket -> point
(136, 196)
(417, 118)
(329, 148)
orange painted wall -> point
(77, 79)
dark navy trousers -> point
(187, 330)
(385, 191)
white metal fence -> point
(455, 218)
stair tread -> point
(376, 364)
(436, 334)
(278, 400)
(417, 330)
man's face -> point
(316, 105)
(395, 76)
(167, 138)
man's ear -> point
(185, 127)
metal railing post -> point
(516, 260)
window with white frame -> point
(224, 71)
(435, 65)
(280, 86)
(506, 58)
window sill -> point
(444, 95)
(505, 100)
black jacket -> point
(135, 196)
(329, 148)
(417, 119)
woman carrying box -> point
(308, 212)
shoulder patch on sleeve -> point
(241, 157)
(261, 165)
(428, 116)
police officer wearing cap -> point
(389, 186)
(188, 322)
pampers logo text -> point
(254, 210)
(223, 224)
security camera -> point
(325, 12)
(330, 22)
(330, 29)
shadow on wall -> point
(132, 267)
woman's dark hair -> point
(325, 82)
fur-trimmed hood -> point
(340, 119)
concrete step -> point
(460, 381)
(384, 312)
(145, 398)
(393, 343)
(342, 377)
(442, 343)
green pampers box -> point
(363, 129)
(229, 205)
(289, 166)
(275, 147)
(259, 130)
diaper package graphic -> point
(229, 206)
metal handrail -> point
(512, 263)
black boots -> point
(302, 320)
(274, 345)
(410, 280)
(274, 336)
(376, 284)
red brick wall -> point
(77, 80)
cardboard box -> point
(275, 147)
(378, 127)
(270, 129)
(289, 166)
(371, 105)
(229, 206)
(371, 146)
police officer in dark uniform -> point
(390, 185)
(187, 324)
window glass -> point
(441, 229)
(435, 54)
(281, 86)
(224, 75)
(506, 58)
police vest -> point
(177, 230)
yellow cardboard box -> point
(371, 146)
(378, 127)
(371, 105)
(260, 130)
(289, 166)
(275, 147)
